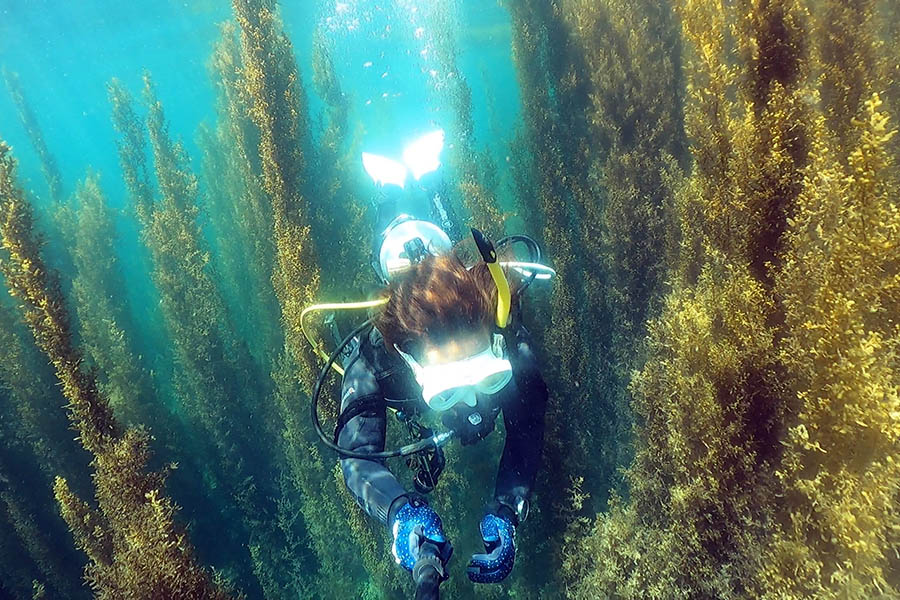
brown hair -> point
(437, 299)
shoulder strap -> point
(388, 374)
(367, 406)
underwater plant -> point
(35, 446)
(631, 55)
(549, 153)
(888, 19)
(340, 210)
(847, 60)
(238, 208)
(98, 291)
(134, 545)
(714, 183)
(767, 407)
(29, 517)
(554, 174)
(35, 542)
(838, 530)
(32, 397)
(272, 85)
(58, 214)
(29, 121)
(708, 367)
(216, 379)
(596, 165)
(132, 149)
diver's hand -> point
(498, 533)
(415, 523)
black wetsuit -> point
(374, 376)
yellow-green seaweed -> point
(106, 327)
(237, 204)
(132, 540)
(278, 110)
(272, 85)
(767, 426)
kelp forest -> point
(716, 185)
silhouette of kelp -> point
(29, 121)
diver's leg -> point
(387, 207)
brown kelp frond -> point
(136, 549)
(321, 499)
(20, 509)
(35, 398)
(89, 527)
(768, 407)
(596, 173)
(277, 102)
(846, 52)
(631, 60)
(841, 293)
(36, 136)
(212, 369)
(341, 210)
(748, 124)
(177, 185)
(278, 108)
(106, 326)
(132, 146)
(45, 312)
(887, 20)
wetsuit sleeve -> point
(375, 488)
(524, 420)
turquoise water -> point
(65, 54)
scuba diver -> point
(447, 343)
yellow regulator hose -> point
(318, 347)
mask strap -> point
(412, 362)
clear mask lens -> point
(458, 381)
(494, 383)
(450, 398)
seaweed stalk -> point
(29, 121)
(134, 545)
(278, 109)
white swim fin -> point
(422, 156)
(383, 170)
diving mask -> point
(447, 384)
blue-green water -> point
(65, 54)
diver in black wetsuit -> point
(448, 343)
(375, 374)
